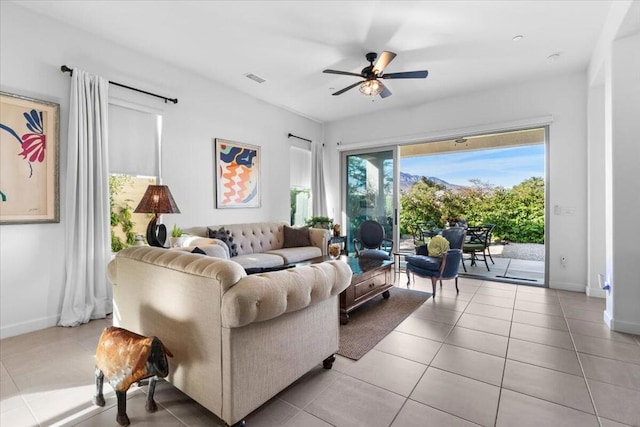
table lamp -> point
(157, 200)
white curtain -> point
(318, 194)
(87, 291)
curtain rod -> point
(66, 69)
(299, 137)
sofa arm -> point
(261, 297)
(319, 237)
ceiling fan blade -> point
(341, 91)
(383, 60)
(385, 92)
(406, 75)
(344, 73)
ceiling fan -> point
(371, 86)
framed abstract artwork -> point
(29, 160)
(237, 174)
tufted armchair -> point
(237, 340)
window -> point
(300, 184)
(134, 152)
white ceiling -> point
(465, 45)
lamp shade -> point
(157, 199)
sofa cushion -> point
(225, 236)
(212, 250)
(291, 255)
(259, 260)
(296, 237)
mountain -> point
(407, 180)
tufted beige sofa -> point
(237, 340)
(260, 244)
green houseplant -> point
(176, 236)
(320, 222)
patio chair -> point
(445, 268)
(371, 240)
(477, 244)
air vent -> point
(255, 78)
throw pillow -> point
(438, 245)
(296, 237)
(225, 236)
(197, 250)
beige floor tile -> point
(413, 413)
(493, 300)
(542, 320)
(465, 294)
(489, 311)
(10, 397)
(544, 356)
(18, 417)
(342, 364)
(304, 390)
(611, 371)
(274, 413)
(473, 364)
(390, 372)
(485, 324)
(536, 307)
(539, 298)
(520, 410)
(538, 290)
(4, 374)
(304, 419)
(464, 397)
(183, 407)
(437, 314)
(547, 384)
(498, 285)
(424, 328)
(136, 413)
(410, 347)
(599, 330)
(607, 348)
(616, 403)
(609, 423)
(351, 402)
(541, 335)
(441, 301)
(477, 340)
(575, 312)
(511, 294)
(591, 304)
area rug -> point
(373, 320)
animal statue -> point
(124, 358)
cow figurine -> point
(125, 358)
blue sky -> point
(504, 167)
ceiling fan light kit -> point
(371, 86)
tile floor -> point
(496, 354)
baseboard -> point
(622, 326)
(596, 292)
(29, 326)
(568, 286)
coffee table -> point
(371, 278)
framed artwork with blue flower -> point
(237, 175)
(29, 160)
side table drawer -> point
(370, 285)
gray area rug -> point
(372, 321)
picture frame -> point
(29, 160)
(237, 169)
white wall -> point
(33, 47)
(564, 98)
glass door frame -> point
(395, 152)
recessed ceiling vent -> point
(255, 78)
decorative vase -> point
(336, 230)
(334, 250)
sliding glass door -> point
(369, 178)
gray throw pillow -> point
(296, 237)
(225, 236)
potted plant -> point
(320, 222)
(176, 236)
